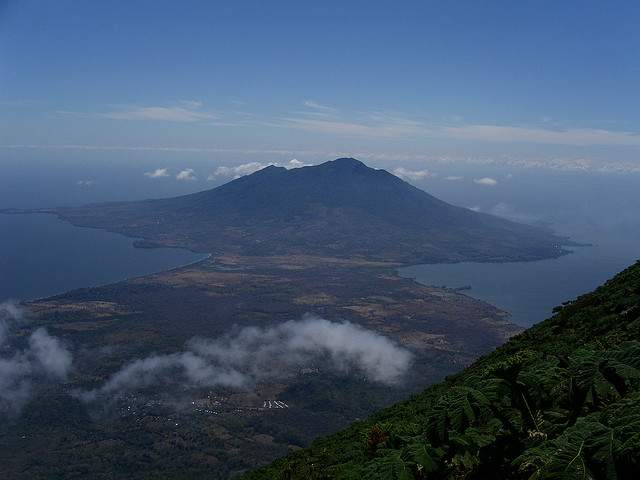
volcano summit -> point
(339, 208)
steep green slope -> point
(561, 400)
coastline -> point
(26, 298)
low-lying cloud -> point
(44, 358)
(251, 167)
(407, 174)
(187, 174)
(237, 171)
(255, 354)
(485, 181)
(158, 173)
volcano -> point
(340, 208)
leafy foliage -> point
(560, 401)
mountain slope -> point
(561, 400)
(338, 208)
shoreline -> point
(133, 243)
(150, 244)
(527, 290)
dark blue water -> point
(603, 210)
(41, 256)
(530, 290)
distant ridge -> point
(338, 208)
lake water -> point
(41, 255)
(530, 290)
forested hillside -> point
(561, 400)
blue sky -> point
(542, 84)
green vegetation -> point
(561, 400)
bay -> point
(530, 290)
(41, 255)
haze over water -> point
(600, 210)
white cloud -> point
(251, 167)
(454, 178)
(237, 171)
(158, 173)
(256, 354)
(10, 315)
(42, 359)
(85, 183)
(407, 174)
(50, 354)
(318, 106)
(486, 181)
(295, 163)
(476, 208)
(185, 111)
(187, 174)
